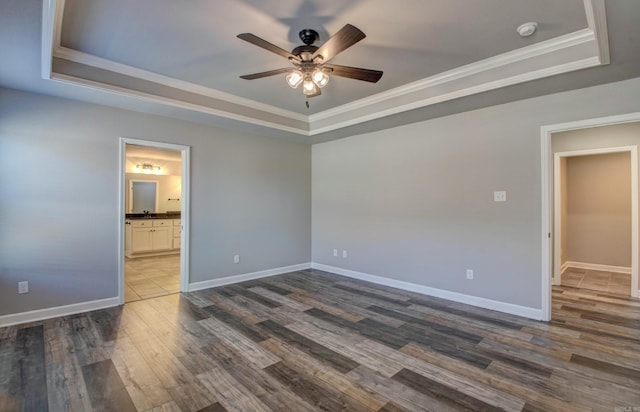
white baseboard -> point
(48, 313)
(41, 314)
(564, 267)
(510, 308)
(595, 266)
(246, 276)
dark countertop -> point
(137, 216)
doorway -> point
(154, 211)
(592, 220)
(549, 226)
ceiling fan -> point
(309, 62)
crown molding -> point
(52, 11)
(574, 51)
(597, 22)
(479, 88)
(150, 98)
(109, 65)
(495, 62)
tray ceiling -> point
(186, 55)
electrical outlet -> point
(23, 287)
(500, 196)
(344, 254)
(469, 273)
(335, 252)
(236, 258)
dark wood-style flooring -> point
(314, 341)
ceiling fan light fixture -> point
(320, 78)
(309, 60)
(147, 168)
(294, 78)
(309, 88)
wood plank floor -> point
(315, 341)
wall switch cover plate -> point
(500, 196)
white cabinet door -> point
(151, 235)
(162, 238)
(141, 239)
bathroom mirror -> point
(143, 195)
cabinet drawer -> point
(161, 222)
(140, 223)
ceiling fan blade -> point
(257, 41)
(357, 73)
(265, 74)
(343, 39)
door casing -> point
(546, 186)
(184, 208)
(557, 232)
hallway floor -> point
(612, 282)
(149, 277)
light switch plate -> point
(500, 196)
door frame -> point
(547, 195)
(184, 207)
(557, 220)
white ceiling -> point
(183, 59)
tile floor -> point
(149, 277)
(611, 282)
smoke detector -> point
(527, 29)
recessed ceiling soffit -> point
(584, 48)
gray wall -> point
(59, 199)
(412, 203)
(627, 134)
(415, 203)
(599, 209)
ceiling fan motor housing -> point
(308, 36)
(305, 51)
